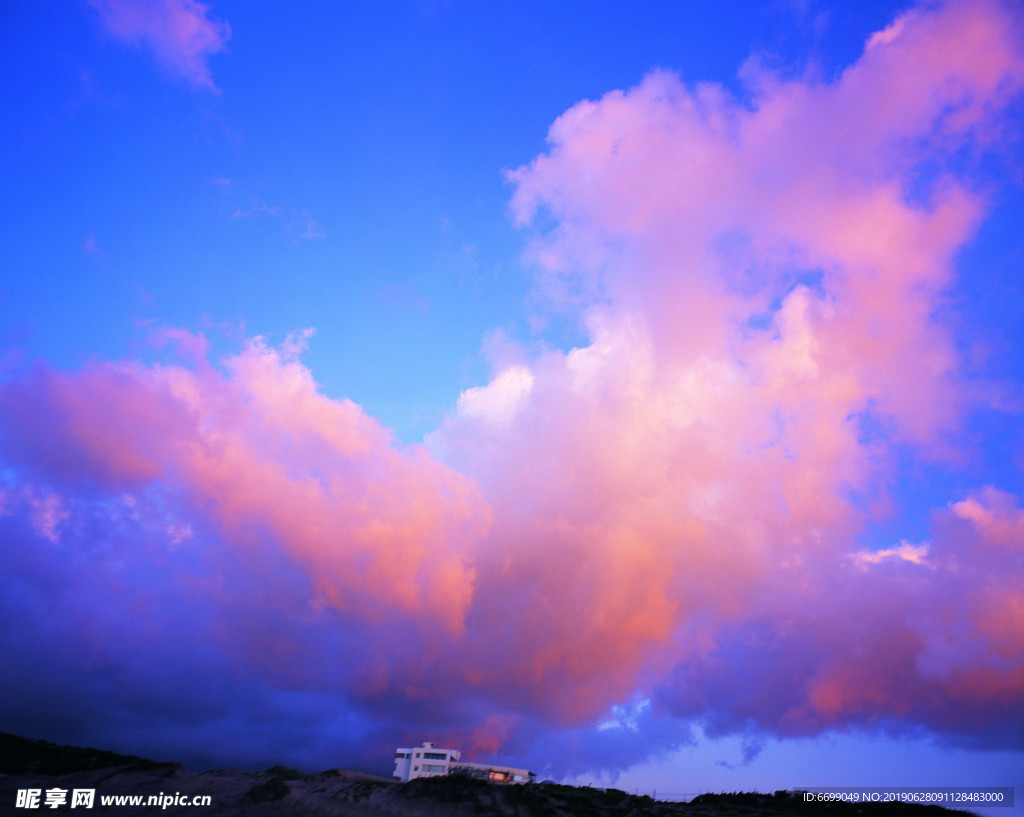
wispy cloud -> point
(304, 228)
(180, 33)
(257, 208)
(298, 225)
(915, 554)
(91, 247)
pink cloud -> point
(180, 33)
(190, 344)
(996, 515)
(665, 195)
(759, 280)
(257, 448)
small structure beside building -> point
(496, 774)
(429, 761)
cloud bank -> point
(669, 525)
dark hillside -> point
(27, 764)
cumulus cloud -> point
(180, 33)
(258, 452)
(599, 547)
(686, 496)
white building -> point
(429, 761)
(424, 761)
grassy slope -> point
(334, 793)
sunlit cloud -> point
(915, 554)
(759, 280)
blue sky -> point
(677, 343)
(366, 149)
